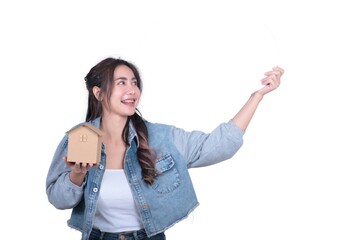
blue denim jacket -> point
(170, 199)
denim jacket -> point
(169, 199)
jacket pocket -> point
(168, 178)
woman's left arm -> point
(271, 81)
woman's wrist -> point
(257, 95)
(77, 178)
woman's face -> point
(125, 92)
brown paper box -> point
(84, 144)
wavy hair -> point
(102, 76)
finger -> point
(276, 73)
(269, 82)
(78, 167)
(90, 165)
(65, 160)
(268, 79)
(269, 73)
(84, 167)
(277, 68)
(69, 164)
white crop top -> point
(116, 210)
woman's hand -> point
(78, 170)
(271, 81)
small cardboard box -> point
(84, 144)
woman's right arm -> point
(64, 188)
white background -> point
(297, 175)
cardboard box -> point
(84, 144)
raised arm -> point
(271, 81)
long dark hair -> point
(102, 76)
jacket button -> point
(95, 189)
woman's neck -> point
(112, 128)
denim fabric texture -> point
(137, 235)
(170, 199)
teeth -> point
(128, 101)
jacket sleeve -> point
(203, 149)
(61, 192)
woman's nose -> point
(131, 90)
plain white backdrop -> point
(297, 174)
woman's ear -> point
(97, 93)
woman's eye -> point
(135, 83)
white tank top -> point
(116, 210)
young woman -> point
(141, 186)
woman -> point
(141, 186)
